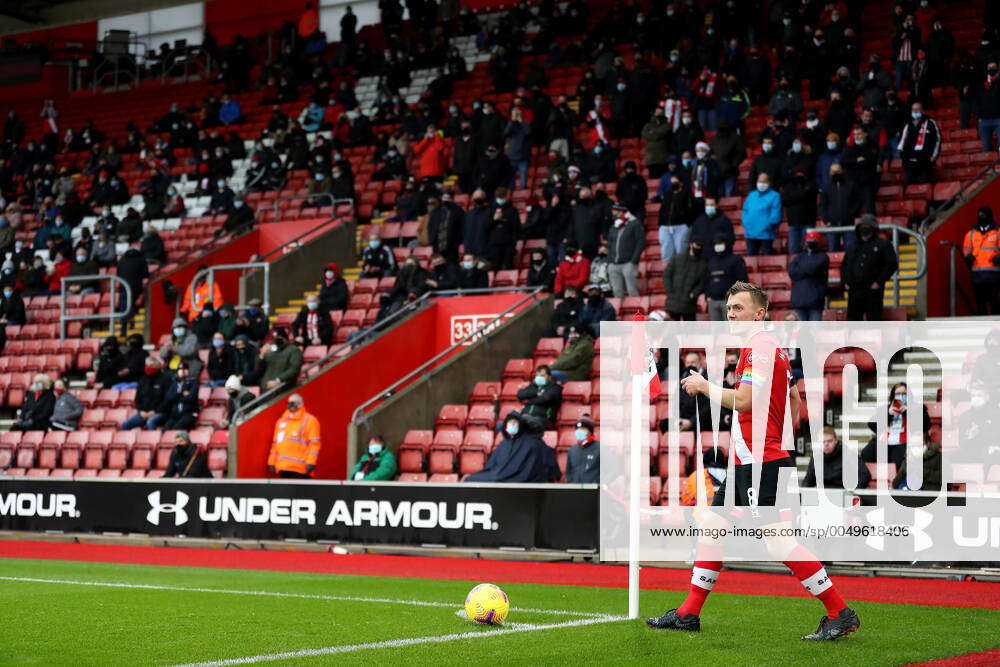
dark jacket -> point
(723, 270)
(239, 219)
(36, 411)
(588, 225)
(247, 364)
(152, 248)
(583, 463)
(931, 474)
(476, 230)
(188, 461)
(12, 309)
(151, 392)
(576, 359)
(524, 458)
(133, 269)
(541, 402)
(593, 314)
(833, 471)
(334, 294)
(840, 204)
(503, 230)
(626, 243)
(727, 147)
(708, 229)
(221, 362)
(67, 412)
(677, 207)
(799, 199)
(867, 262)
(444, 230)
(181, 398)
(684, 280)
(565, 314)
(633, 192)
(810, 273)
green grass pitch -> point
(246, 614)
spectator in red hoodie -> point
(431, 151)
(59, 271)
(574, 269)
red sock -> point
(704, 574)
(811, 573)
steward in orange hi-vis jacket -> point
(296, 443)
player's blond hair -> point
(757, 295)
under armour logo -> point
(176, 508)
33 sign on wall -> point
(465, 325)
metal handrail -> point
(422, 370)
(319, 195)
(953, 286)
(210, 272)
(192, 53)
(924, 224)
(896, 231)
(294, 241)
(362, 337)
(112, 316)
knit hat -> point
(233, 383)
(179, 322)
(587, 422)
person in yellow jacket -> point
(296, 443)
(196, 295)
(981, 248)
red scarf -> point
(708, 87)
(921, 136)
(590, 439)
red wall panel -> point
(161, 314)
(228, 18)
(333, 396)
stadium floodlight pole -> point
(639, 416)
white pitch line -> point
(304, 596)
(400, 643)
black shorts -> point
(767, 493)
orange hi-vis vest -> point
(296, 442)
(192, 306)
(983, 247)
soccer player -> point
(746, 302)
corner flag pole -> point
(639, 392)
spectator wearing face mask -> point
(179, 407)
(688, 134)
(227, 321)
(464, 155)
(691, 411)
(704, 174)
(39, 402)
(573, 270)
(657, 135)
(597, 309)
(574, 362)
(205, 325)
(240, 218)
(182, 348)
(280, 362)
(503, 230)
(445, 222)
(493, 170)
(221, 361)
(566, 313)
(632, 191)
(252, 322)
(861, 167)
(12, 307)
(919, 146)
(810, 273)
(832, 155)
(333, 293)
(151, 245)
(724, 270)
(67, 410)
(583, 462)
(247, 361)
(799, 199)
(540, 272)
(377, 463)
(313, 325)
(710, 225)
(133, 360)
(588, 221)
(785, 100)
(472, 273)
(833, 465)
(238, 397)
(600, 270)
(186, 458)
(626, 241)
(221, 202)
(987, 105)
(768, 162)
(839, 205)
(981, 249)
(599, 164)
(443, 276)
(542, 397)
(522, 455)
(869, 263)
(761, 217)
(110, 362)
(684, 280)
(296, 446)
(905, 43)
(377, 259)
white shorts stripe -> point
(817, 583)
(704, 578)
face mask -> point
(8, 293)
(767, 147)
(374, 244)
(581, 435)
(796, 147)
(81, 258)
(719, 247)
(312, 305)
(512, 428)
(811, 124)
(831, 145)
(597, 150)
(859, 142)
(238, 204)
(179, 331)
(221, 184)
(702, 155)
(374, 448)
(686, 121)
(293, 407)
(621, 87)
(977, 401)
(687, 162)
(786, 21)
(763, 187)
(710, 211)
(916, 115)
(540, 380)
(594, 300)
(218, 343)
(468, 265)
(673, 59)
(280, 344)
(501, 202)
(838, 178)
